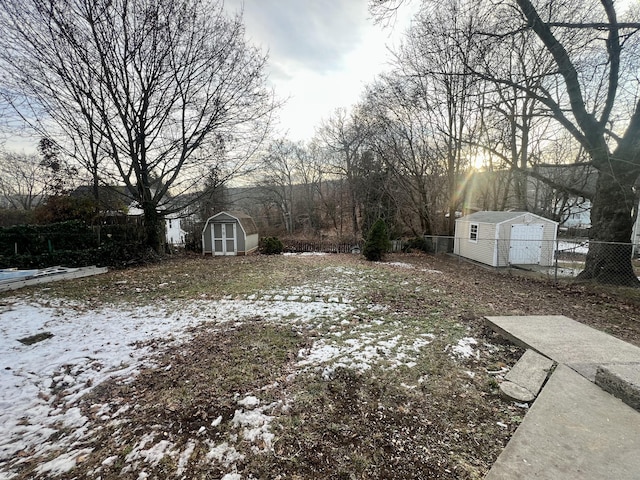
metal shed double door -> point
(223, 239)
(525, 244)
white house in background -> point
(174, 235)
(501, 239)
(577, 215)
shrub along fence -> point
(39, 239)
(72, 244)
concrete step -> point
(526, 378)
(566, 341)
(622, 381)
(574, 430)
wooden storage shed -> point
(229, 233)
(501, 239)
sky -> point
(321, 54)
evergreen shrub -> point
(271, 246)
(377, 243)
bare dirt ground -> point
(336, 368)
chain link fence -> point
(607, 262)
(560, 260)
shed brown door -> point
(223, 239)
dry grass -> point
(380, 409)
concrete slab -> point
(574, 430)
(525, 379)
(622, 381)
(566, 341)
(514, 392)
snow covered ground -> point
(41, 383)
(581, 248)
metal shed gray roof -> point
(247, 223)
(497, 217)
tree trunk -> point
(153, 227)
(612, 218)
(520, 190)
(354, 213)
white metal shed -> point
(229, 233)
(501, 239)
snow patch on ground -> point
(399, 264)
(232, 476)
(464, 348)
(573, 247)
(64, 462)
(41, 383)
(224, 454)
(255, 428)
(305, 254)
(184, 457)
(363, 351)
(249, 402)
(151, 455)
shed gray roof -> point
(496, 217)
(247, 223)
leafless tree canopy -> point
(22, 181)
(542, 69)
(152, 91)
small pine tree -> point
(271, 246)
(377, 243)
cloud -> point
(321, 54)
(312, 34)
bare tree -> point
(279, 178)
(589, 47)
(291, 178)
(514, 128)
(161, 88)
(213, 196)
(435, 60)
(592, 92)
(402, 134)
(22, 180)
(344, 135)
(332, 190)
(308, 160)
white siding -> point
(481, 250)
(492, 245)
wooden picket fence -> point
(310, 246)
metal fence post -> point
(555, 255)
